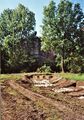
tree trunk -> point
(62, 64)
(62, 60)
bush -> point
(45, 69)
(75, 69)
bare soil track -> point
(22, 100)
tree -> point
(16, 28)
(48, 27)
(60, 30)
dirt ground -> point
(42, 103)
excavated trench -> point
(42, 97)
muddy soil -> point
(16, 106)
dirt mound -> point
(22, 100)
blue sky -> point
(34, 5)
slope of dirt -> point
(16, 106)
(22, 100)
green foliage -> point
(76, 64)
(62, 32)
(16, 38)
(45, 69)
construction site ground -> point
(42, 97)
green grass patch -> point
(4, 77)
(72, 76)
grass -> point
(70, 76)
(10, 77)
(16, 76)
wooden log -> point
(77, 94)
(55, 80)
(35, 96)
(80, 83)
(66, 83)
(67, 90)
(26, 79)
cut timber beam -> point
(35, 96)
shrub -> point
(45, 69)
